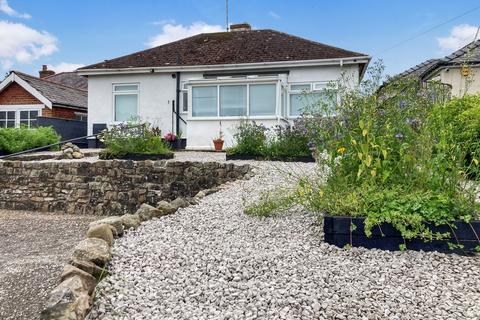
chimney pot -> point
(45, 72)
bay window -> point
(234, 100)
(125, 100)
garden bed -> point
(260, 158)
(137, 156)
(338, 231)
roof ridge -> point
(462, 51)
(49, 81)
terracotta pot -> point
(218, 143)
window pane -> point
(33, 114)
(300, 102)
(300, 87)
(24, 123)
(11, 123)
(263, 99)
(33, 123)
(126, 87)
(125, 107)
(3, 115)
(204, 101)
(2, 123)
(233, 100)
(11, 115)
(23, 114)
(185, 101)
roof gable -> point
(238, 47)
(54, 93)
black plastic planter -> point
(259, 158)
(137, 156)
(385, 237)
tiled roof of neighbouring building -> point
(58, 94)
(71, 79)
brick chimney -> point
(45, 72)
(240, 27)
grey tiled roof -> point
(421, 69)
(71, 79)
(236, 47)
(58, 94)
(469, 54)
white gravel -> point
(211, 261)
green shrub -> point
(14, 140)
(133, 137)
(395, 155)
(249, 139)
(252, 139)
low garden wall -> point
(106, 187)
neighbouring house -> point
(460, 70)
(195, 84)
(58, 100)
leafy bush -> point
(250, 139)
(281, 141)
(392, 156)
(131, 138)
(14, 140)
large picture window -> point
(125, 99)
(234, 100)
(204, 101)
(263, 99)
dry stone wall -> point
(106, 187)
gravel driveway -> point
(211, 261)
(33, 249)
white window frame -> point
(18, 108)
(313, 88)
(183, 91)
(235, 82)
(126, 92)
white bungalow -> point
(193, 84)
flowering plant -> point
(170, 137)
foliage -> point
(250, 139)
(395, 155)
(281, 141)
(270, 203)
(132, 137)
(14, 140)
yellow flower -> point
(341, 150)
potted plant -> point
(218, 141)
(170, 138)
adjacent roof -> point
(71, 79)
(236, 47)
(422, 69)
(58, 94)
(469, 54)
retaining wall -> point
(106, 187)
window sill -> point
(232, 118)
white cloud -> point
(163, 22)
(172, 32)
(459, 36)
(65, 67)
(5, 8)
(274, 15)
(19, 43)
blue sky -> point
(67, 34)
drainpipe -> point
(177, 99)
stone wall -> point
(106, 187)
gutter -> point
(238, 66)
